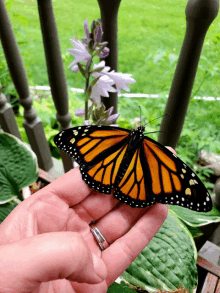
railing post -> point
(7, 117)
(199, 16)
(32, 124)
(55, 70)
(109, 16)
(216, 196)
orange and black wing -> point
(155, 174)
(99, 150)
(131, 186)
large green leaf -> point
(195, 219)
(18, 167)
(5, 209)
(195, 231)
(167, 262)
(120, 288)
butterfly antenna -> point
(157, 118)
(140, 114)
(155, 132)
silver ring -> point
(103, 244)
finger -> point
(46, 257)
(123, 251)
(171, 149)
(70, 187)
(97, 205)
(118, 221)
(87, 203)
(73, 190)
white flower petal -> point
(80, 112)
(75, 68)
(112, 118)
(106, 69)
(121, 79)
(96, 74)
(101, 64)
(102, 87)
(79, 52)
(86, 122)
(95, 95)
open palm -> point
(44, 223)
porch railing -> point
(199, 16)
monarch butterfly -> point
(141, 171)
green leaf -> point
(195, 219)
(97, 70)
(168, 261)
(18, 167)
(195, 231)
(120, 288)
(88, 93)
(5, 210)
(4, 74)
(98, 51)
(81, 69)
(20, 17)
(22, 43)
(95, 81)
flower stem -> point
(86, 110)
(86, 102)
(87, 73)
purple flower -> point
(102, 87)
(86, 122)
(107, 79)
(80, 112)
(75, 68)
(98, 35)
(104, 53)
(86, 29)
(112, 118)
(80, 52)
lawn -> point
(150, 35)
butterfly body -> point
(141, 171)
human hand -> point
(46, 244)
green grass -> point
(150, 35)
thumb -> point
(28, 262)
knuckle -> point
(127, 250)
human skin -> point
(46, 244)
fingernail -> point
(99, 266)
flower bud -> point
(104, 53)
(80, 112)
(86, 29)
(86, 122)
(110, 110)
(75, 68)
(112, 118)
(98, 35)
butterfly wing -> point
(99, 150)
(173, 182)
(142, 174)
(131, 186)
(155, 174)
